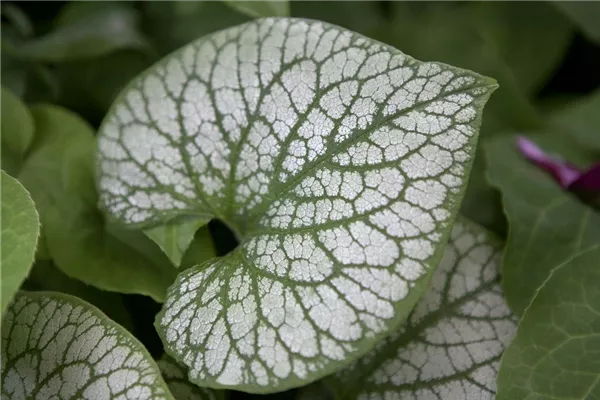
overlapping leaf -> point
(20, 231)
(451, 345)
(59, 175)
(549, 226)
(339, 163)
(17, 131)
(55, 346)
(556, 352)
(180, 386)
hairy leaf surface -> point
(548, 226)
(55, 346)
(451, 345)
(19, 234)
(556, 352)
(339, 163)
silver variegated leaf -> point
(338, 161)
(58, 347)
(450, 347)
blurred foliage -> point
(545, 56)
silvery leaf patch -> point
(55, 346)
(336, 160)
(451, 345)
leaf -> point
(59, 174)
(584, 14)
(89, 86)
(44, 276)
(365, 17)
(85, 30)
(556, 350)
(180, 387)
(174, 238)
(200, 249)
(58, 346)
(339, 169)
(17, 131)
(548, 226)
(258, 9)
(580, 120)
(172, 24)
(20, 230)
(518, 43)
(450, 348)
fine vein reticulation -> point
(338, 161)
(58, 347)
(451, 345)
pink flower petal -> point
(564, 173)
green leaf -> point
(580, 120)
(59, 175)
(202, 248)
(172, 24)
(556, 352)
(20, 230)
(258, 9)
(338, 162)
(365, 17)
(44, 276)
(450, 348)
(585, 14)
(181, 388)
(85, 30)
(16, 125)
(89, 86)
(174, 238)
(548, 226)
(58, 346)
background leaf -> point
(181, 388)
(585, 14)
(16, 125)
(59, 173)
(259, 9)
(548, 226)
(175, 237)
(450, 347)
(86, 29)
(57, 345)
(44, 277)
(20, 230)
(556, 351)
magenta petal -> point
(588, 181)
(562, 172)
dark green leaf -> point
(171, 24)
(556, 352)
(585, 14)
(259, 9)
(86, 29)
(16, 126)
